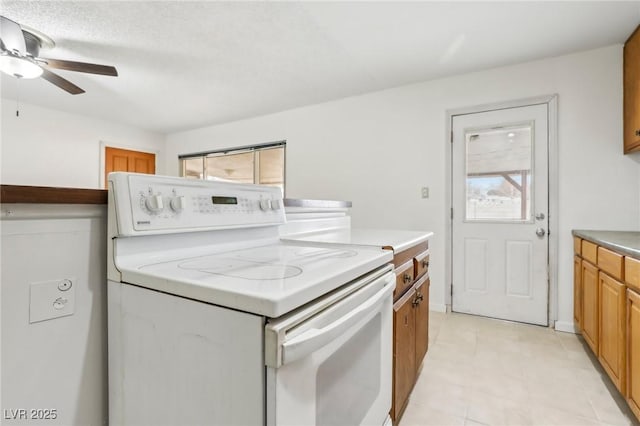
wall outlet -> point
(52, 299)
(425, 192)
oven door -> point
(333, 367)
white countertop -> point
(399, 240)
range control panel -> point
(145, 203)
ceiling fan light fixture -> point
(19, 67)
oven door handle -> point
(315, 338)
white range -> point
(213, 319)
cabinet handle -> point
(637, 132)
(406, 278)
(425, 263)
(417, 300)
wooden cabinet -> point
(404, 278)
(421, 263)
(577, 292)
(632, 272)
(607, 310)
(421, 307)
(410, 322)
(610, 262)
(404, 359)
(590, 305)
(633, 351)
(590, 252)
(612, 329)
(632, 93)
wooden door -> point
(633, 351)
(612, 329)
(404, 354)
(632, 93)
(124, 160)
(577, 293)
(590, 305)
(500, 217)
(422, 319)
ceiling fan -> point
(19, 50)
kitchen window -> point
(261, 164)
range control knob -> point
(154, 203)
(265, 205)
(276, 204)
(177, 204)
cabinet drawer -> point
(577, 245)
(610, 262)
(589, 251)
(404, 278)
(421, 263)
(632, 272)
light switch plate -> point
(425, 192)
(52, 299)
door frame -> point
(552, 121)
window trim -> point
(237, 150)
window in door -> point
(261, 164)
(498, 173)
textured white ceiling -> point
(189, 64)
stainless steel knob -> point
(540, 232)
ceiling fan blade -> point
(11, 36)
(62, 83)
(81, 67)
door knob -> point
(540, 216)
(540, 232)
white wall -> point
(58, 364)
(378, 149)
(61, 363)
(45, 147)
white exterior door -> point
(500, 214)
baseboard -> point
(438, 307)
(565, 326)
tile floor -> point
(480, 371)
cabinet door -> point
(633, 351)
(590, 305)
(632, 93)
(404, 354)
(421, 304)
(577, 293)
(612, 329)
